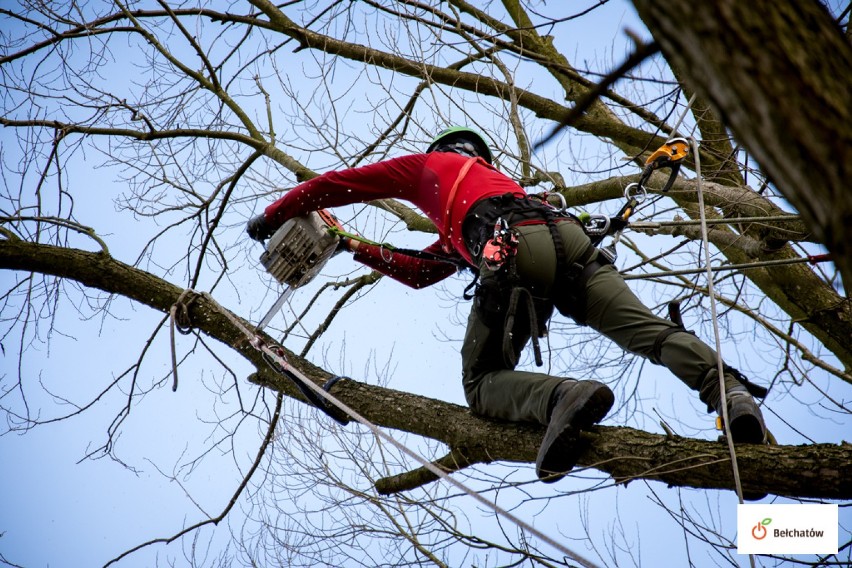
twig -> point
(642, 52)
(267, 440)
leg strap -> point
(675, 316)
(752, 388)
(708, 382)
(509, 355)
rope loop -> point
(179, 311)
(179, 319)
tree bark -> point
(779, 74)
(812, 471)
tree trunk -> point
(780, 76)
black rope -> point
(179, 319)
(306, 391)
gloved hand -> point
(346, 244)
(258, 229)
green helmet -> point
(453, 140)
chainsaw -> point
(297, 252)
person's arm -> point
(397, 178)
(409, 270)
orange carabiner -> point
(669, 155)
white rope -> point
(683, 114)
(720, 364)
(258, 344)
(651, 225)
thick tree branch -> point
(817, 471)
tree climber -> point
(530, 259)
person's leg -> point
(494, 388)
(613, 310)
(565, 406)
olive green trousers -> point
(494, 388)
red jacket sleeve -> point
(410, 270)
(395, 178)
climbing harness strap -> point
(670, 155)
(448, 213)
(510, 357)
(275, 356)
(677, 319)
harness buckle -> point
(500, 247)
(596, 225)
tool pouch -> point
(491, 299)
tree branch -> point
(811, 471)
(787, 101)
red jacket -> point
(435, 183)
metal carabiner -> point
(597, 225)
(562, 202)
(640, 196)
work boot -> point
(576, 405)
(744, 416)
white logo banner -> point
(787, 529)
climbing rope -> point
(275, 353)
(720, 364)
(653, 225)
(812, 259)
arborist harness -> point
(492, 239)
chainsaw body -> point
(299, 249)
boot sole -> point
(747, 429)
(746, 424)
(564, 451)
